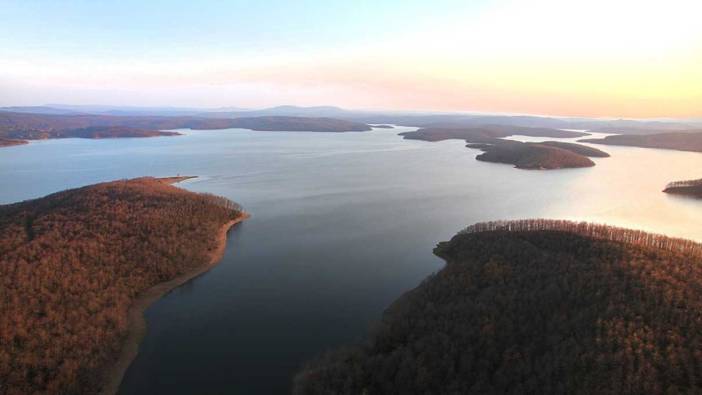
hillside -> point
(403, 118)
(577, 148)
(72, 263)
(531, 156)
(482, 133)
(10, 142)
(298, 124)
(27, 126)
(546, 156)
(536, 306)
(687, 188)
(681, 141)
(92, 132)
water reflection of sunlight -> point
(626, 190)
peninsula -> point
(539, 156)
(533, 156)
(535, 306)
(486, 133)
(688, 188)
(85, 263)
(28, 126)
(4, 142)
(680, 141)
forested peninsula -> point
(534, 156)
(4, 142)
(28, 126)
(680, 141)
(688, 188)
(535, 306)
(78, 267)
(547, 155)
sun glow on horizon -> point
(580, 58)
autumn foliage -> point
(72, 262)
(539, 307)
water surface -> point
(342, 224)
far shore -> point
(137, 323)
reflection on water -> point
(626, 190)
(342, 224)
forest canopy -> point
(490, 139)
(688, 188)
(690, 140)
(71, 264)
(30, 126)
(535, 306)
(533, 156)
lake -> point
(342, 224)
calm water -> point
(342, 225)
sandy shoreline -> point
(137, 323)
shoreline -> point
(688, 192)
(137, 322)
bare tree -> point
(596, 231)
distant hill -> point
(688, 188)
(29, 126)
(535, 307)
(290, 111)
(456, 120)
(4, 142)
(545, 156)
(298, 124)
(402, 118)
(485, 133)
(91, 132)
(577, 148)
(136, 110)
(533, 156)
(681, 141)
(39, 110)
(72, 263)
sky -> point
(598, 58)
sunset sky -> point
(580, 58)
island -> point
(535, 306)
(688, 188)
(4, 142)
(680, 141)
(79, 267)
(28, 126)
(383, 126)
(548, 155)
(92, 132)
(486, 133)
(579, 149)
(532, 156)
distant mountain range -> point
(68, 109)
(419, 119)
(15, 127)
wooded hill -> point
(689, 188)
(537, 306)
(681, 141)
(27, 126)
(545, 155)
(535, 156)
(71, 264)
